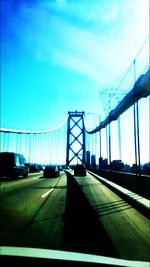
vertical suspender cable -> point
(4, 140)
(34, 151)
(31, 148)
(134, 114)
(40, 148)
(52, 148)
(42, 144)
(100, 142)
(137, 124)
(95, 150)
(26, 146)
(29, 151)
(54, 145)
(49, 148)
(138, 139)
(110, 147)
(96, 146)
(7, 141)
(107, 142)
(46, 145)
(17, 142)
(92, 145)
(119, 139)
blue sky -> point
(58, 55)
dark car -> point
(51, 171)
(34, 168)
(80, 170)
(13, 165)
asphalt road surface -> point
(71, 213)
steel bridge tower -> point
(75, 138)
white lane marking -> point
(48, 192)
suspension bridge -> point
(116, 155)
(101, 149)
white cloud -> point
(100, 54)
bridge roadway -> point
(71, 213)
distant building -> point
(103, 164)
(93, 162)
(87, 159)
(127, 168)
(146, 169)
(117, 165)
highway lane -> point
(128, 229)
(75, 214)
(27, 209)
(7, 185)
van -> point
(12, 165)
(80, 170)
(51, 171)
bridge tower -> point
(75, 138)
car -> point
(33, 168)
(13, 165)
(51, 171)
(80, 170)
